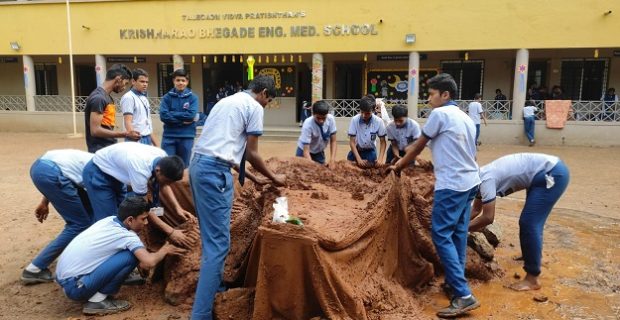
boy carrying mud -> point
(453, 146)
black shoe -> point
(107, 306)
(447, 290)
(42, 276)
(459, 306)
(134, 279)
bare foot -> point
(524, 285)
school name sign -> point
(249, 32)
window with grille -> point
(584, 79)
(46, 79)
(468, 76)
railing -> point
(13, 103)
(598, 111)
(60, 103)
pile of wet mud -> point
(364, 251)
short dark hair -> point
(477, 96)
(498, 90)
(136, 73)
(118, 70)
(172, 167)
(443, 82)
(320, 107)
(611, 89)
(260, 83)
(180, 73)
(367, 103)
(399, 111)
(530, 103)
(132, 207)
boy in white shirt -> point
(97, 261)
(140, 166)
(402, 132)
(137, 109)
(529, 120)
(229, 136)
(316, 132)
(545, 178)
(475, 113)
(363, 131)
(58, 176)
(453, 147)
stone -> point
(493, 233)
(481, 245)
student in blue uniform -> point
(229, 137)
(178, 110)
(363, 132)
(402, 132)
(133, 164)
(95, 264)
(58, 176)
(316, 132)
(545, 179)
(452, 137)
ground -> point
(581, 258)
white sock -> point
(466, 297)
(32, 268)
(98, 297)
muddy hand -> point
(184, 214)
(41, 212)
(363, 164)
(179, 237)
(174, 250)
(279, 180)
(392, 168)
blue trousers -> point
(529, 122)
(181, 147)
(107, 278)
(212, 190)
(143, 139)
(70, 203)
(450, 220)
(104, 191)
(316, 157)
(390, 154)
(538, 204)
(369, 155)
(477, 132)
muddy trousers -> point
(450, 220)
(316, 157)
(70, 202)
(529, 123)
(107, 278)
(104, 191)
(212, 190)
(538, 204)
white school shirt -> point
(475, 109)
(232, 119)
(130, 163)
(453, 146)
(138, 106)
(404, 136)
(366, 133)
(70, 162)
(94, 246)
(528, 111)
(312, 134)
(512, 173)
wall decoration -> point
(394, 84)
(284, 77)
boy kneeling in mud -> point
(97, 261)
(363, 131)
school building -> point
(334, 50)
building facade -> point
(335, 50)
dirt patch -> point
(361, 257)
